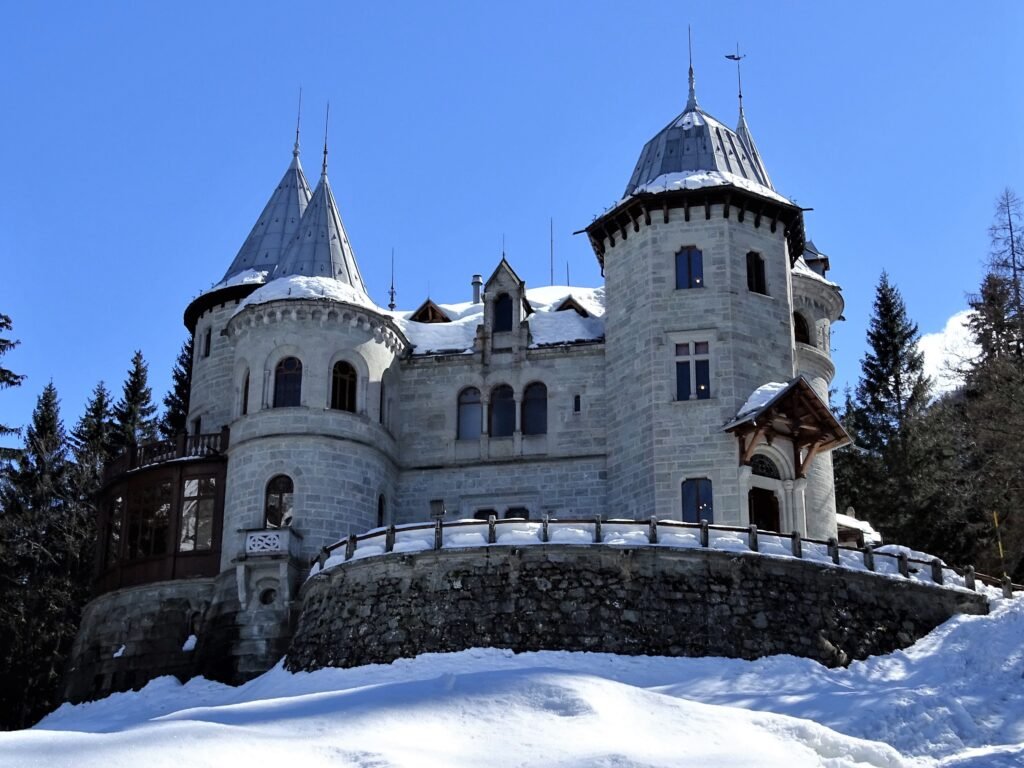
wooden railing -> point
(670, 533)
(160, 451)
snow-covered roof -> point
(302, 287)
(761, 397)
(277, 224)
(801, 268)
(547, 326)
(696, 150)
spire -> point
(298, 122)
(391, 290)
(320, 247)
(743, 130)
(691, 101)
(739, 78)
(277, 224)
(327, 122)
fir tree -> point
(7, 378)
(173, 421)
(1006, 257)
(892, 395)
(134, 421)
(92, 446)
(41, 590)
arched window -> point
(697, 501)
(288, 383)
(535, 409)
(689, 268)
(762, 466)
(343, 387)
(503, 412)
(470, 414)
(245, 394)
(503, 313)
(755, 274)
(278, 506)
(800, 330)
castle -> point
(692, 386)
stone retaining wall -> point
(634, 601)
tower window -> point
(279, 500)
(689, 268)
(693, 370)
(800, 330)
(755, 274)
(535, 409)
(245, 394)
(576, 404)
(207, 341)
(470, 414)
(343, 387)
(502, 313)
(288, 383)
(502, 412)
(697, 501)
(380, 511)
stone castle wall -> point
(633, 601)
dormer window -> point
(502, 313)
(429, 312)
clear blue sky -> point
(140, 142)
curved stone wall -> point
(632, 601)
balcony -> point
(271, 542)
(183, 446)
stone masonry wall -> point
(633, 601)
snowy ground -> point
(956, 698)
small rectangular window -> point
(683, 380)
(207, 340)
(576, 403)
(689, 268)
(755, 274)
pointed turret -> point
(743, 131)
(321, 247)
(277, 225)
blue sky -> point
(140, 142)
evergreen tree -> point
(892, 395)
(92, 446)
(173, 421)
(41, 591)
(1006, 257)
(7, 378)
(134, 421)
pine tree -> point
(1006, 257)
(92, 447)
(7, 378)
(134, 421)
(892, 395)
(40, 585)
(173, 421)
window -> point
(800, 330)
(517, 513)
(483, 514)
(689, 268)
(503, 412)
(470, 414)
(195, 531)
(502, 313)
(576, 404)
(762, 466)
(697, 501)
(693, 371)
(197, 425)
(343, 387)
(535, 409)
(278, 507)
(245, 394)
(380, 511)
(148, 522)
(288, 383)
(207, 340)
(755, 274)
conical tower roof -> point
(696, 144)
(320, 247)
(277, 225)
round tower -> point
(698, 258)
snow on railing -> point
(459, 534)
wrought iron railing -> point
(159, 451)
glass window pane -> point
(191, 488)
(683, 381)
(207, 486)
(696, 268)
(204, 525)
(187, 529)
(702, 368)
(700, 348)
(683, 350)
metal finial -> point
(739, 79)
(298, 123)
(691, 100)
(327, 122)
(391, 291)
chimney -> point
(478, 283)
